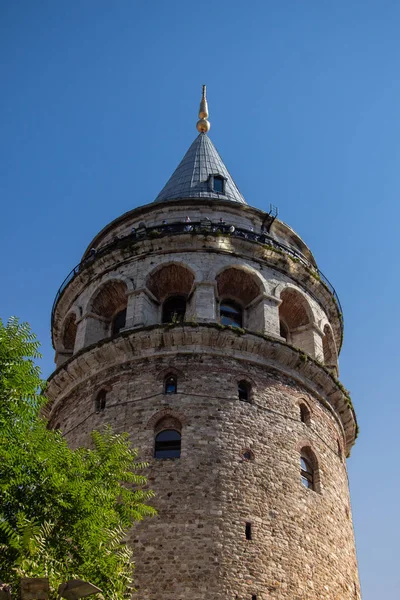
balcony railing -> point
(203, 227)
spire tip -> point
(203, 125)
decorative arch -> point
(168, 422)
(239, 283)
(296, 320)
(106, 313)
(237, 287)
(111, 278)
(173, 370)
(164, 416)
(109, 298)
(171, 284)
(170, 279)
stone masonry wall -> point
(302, 544)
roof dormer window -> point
(216, 183)
(219, 184)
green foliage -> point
(63, 513)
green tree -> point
(63, 513)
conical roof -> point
(194, 176)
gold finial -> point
(203, 125)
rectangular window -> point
(248, 531)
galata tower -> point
(204, 328)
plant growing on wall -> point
(63, 513)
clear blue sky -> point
(98, 105)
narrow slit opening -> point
(248, 531)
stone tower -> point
(204, 328)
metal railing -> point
(203, 227)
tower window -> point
(231, 314)
(307, 473)
(244, 391)
(118, 322)
(305, 414)
(254, 598)
(100, 402)
(248, 531)
(247, 454)
(167, 444)
(173, 310)
(218, 184)
(170, 384)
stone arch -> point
(168, 422)
(240, 283)
(170, 279)
(164, 372)
(109, 298)
(296, 320)
(238, 287)
(112, 278)
(329, 348)
(106, 307)
(171, 284)
(160, 415)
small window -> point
(305, 414)
(168, 444)
(254, 598)
(118, 322)
(170, 384)
(307, 473)
(248, 531)
(231, 314)
(100, 402)
(247, 454)
(219, 184)
(244, 391)
(174, 309)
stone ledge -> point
(207, 338)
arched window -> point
(174, 309)
(171, 384)
(118, 322)
(244, 391)
(231, 314)
(100, 402)
(305, 414)
(167, 444)
(307, 472)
